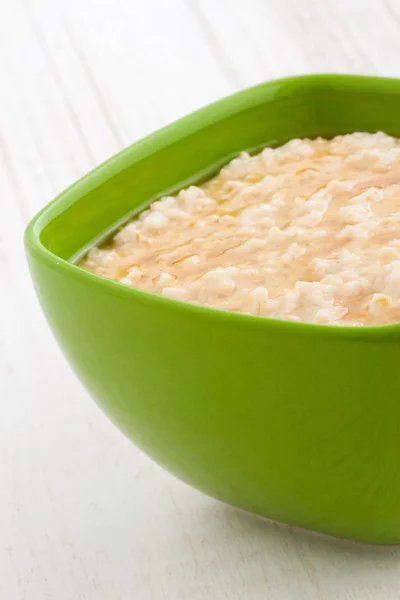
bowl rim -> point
(175, 131)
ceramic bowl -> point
(293, 421)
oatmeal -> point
(309, 232)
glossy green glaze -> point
(292, 421)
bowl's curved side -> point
(289, 423)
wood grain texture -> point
(83, 514)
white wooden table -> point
(83, 514)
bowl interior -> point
(192, 149)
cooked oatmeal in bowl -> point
(309, 231)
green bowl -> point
(297, 422)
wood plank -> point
(83, 514)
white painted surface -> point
(83, 514)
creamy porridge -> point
(309, 231)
